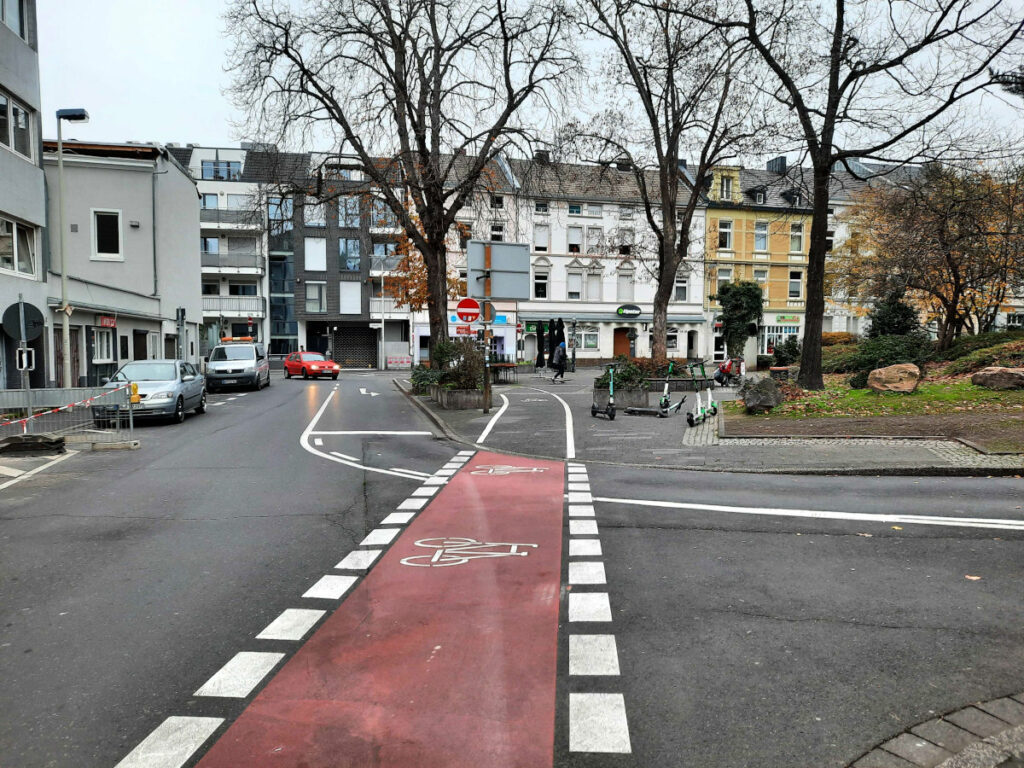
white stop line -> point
(956, 522)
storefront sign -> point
(628, 311)
(107, 322)
(531, 327)
(787, 318)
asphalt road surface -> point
(566, 616)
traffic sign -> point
(26, 358)
(463, 330)
(468, 310)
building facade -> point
(23, 251)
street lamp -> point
(77, 115)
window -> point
(761, 276)
(313, 214)
(574, 286)
(795, 288)
(773, 335)
(279, 209)
(211, 289)
(17, 248)
(316, 297)
(575, 239)
(830, 238)
(625, 242)
(759, 197)
(587, 338)
(594, 209)
(540, 206)
(348, 212)
(497, 233)
(497, 203)
(1015, 320)
(595, 236)
(381, 215)
(796, 238)
(575, 209)
(15, 125)
(221, 170)
(103, 345)
(624, 287)
(208, 202)
(106, 235)
(625, 211)
(725, 192)
(724, 235)
(682, 289)
(464, 231)
(724, 277)
(540, 285)
(761, 236)
(210, 245)
(540, 238)
(241, 289)
(351, 299)
(384, 257)
(238, 202)
(349, 257)
(316, 254)
(593, 286)
(831, 211)
(13, 14)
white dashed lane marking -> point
(593, 655)
(330, 587)
(413, 504)
(586, 573)
(589, 606)
(581, 510)
(359, 560)
(597, 723)
(292, 624)
(240, 675)
(171, 743)
(582, 528)
(584, 548)
(398, 518)
(379, 536)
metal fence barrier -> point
(79, 414)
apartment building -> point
(758, 229)
(23, 252)
(130, 227)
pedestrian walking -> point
(558, 360)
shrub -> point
(965, 345)
(1009, 355)
(422, 377)
(882, 351)
(788, 352)
(628, 375)
(764, 361)
(859, 380)
(466, 367)
(837, 337)
(841, 358)
(892, 317)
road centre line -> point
(494, 419)
(240, 675)
(570, 439)
(171, 743)
(956, 522)
(292, 624)
(40, 468)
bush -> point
(764, 361)
(788, 352)
(466, 366)
(841, 358)
(628, 375)
(1009, 355)
(422, 377)
(837, 337)
(965, 345)
(859, 380)
(882, 351)
(892, 317)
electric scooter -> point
(701, 411)
(608, 410)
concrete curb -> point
(434, 418)
(981, 735)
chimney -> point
(777, 165)
(542, 156)
(623, 164)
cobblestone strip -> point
(983, 735)
(705, 433)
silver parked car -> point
(166, 388)
(237, 363)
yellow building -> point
(758, 230)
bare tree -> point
(424, 93)
(684, 83)
(870, 79)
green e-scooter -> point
(701, 411)
(608, 410)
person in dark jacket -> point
(558, 360)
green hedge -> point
(1009, 355)
(965, 345)
(841, 358)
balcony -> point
(234, 306)
(389, 308)
(380, 265)
(233, 217)
(234, 262)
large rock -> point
(903, 377)
(762, 396)
(999, 378)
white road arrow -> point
(362, 391)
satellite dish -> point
(33, 322)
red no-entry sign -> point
(468, 310)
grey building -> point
(22, 190)
(132, 225)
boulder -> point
(996, 377)
(903, 377)
(762, 396)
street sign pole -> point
(26, 382)
(485, 316)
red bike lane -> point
(448, 659)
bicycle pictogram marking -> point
(504, 469)
(458, 550)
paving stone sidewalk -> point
(530, 427)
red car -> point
(306, 364)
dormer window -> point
(759, 197)
(725, 192)
(497, 202)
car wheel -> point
(334, 376)
(305, 373)
(268, 378)
(201, 408)
(179, 411)
(287, 373)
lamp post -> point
(77, 115)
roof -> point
(131, 149)
(582, 181)
(182, 154)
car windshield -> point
(233, 353)
(313, 356)
(146, 372)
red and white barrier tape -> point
(24, 422)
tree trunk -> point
(814, 304)
(659, 349)
(436, 261)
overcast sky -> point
(146, 70)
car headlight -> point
(161, 396)
(249, 369)
(315, 367)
